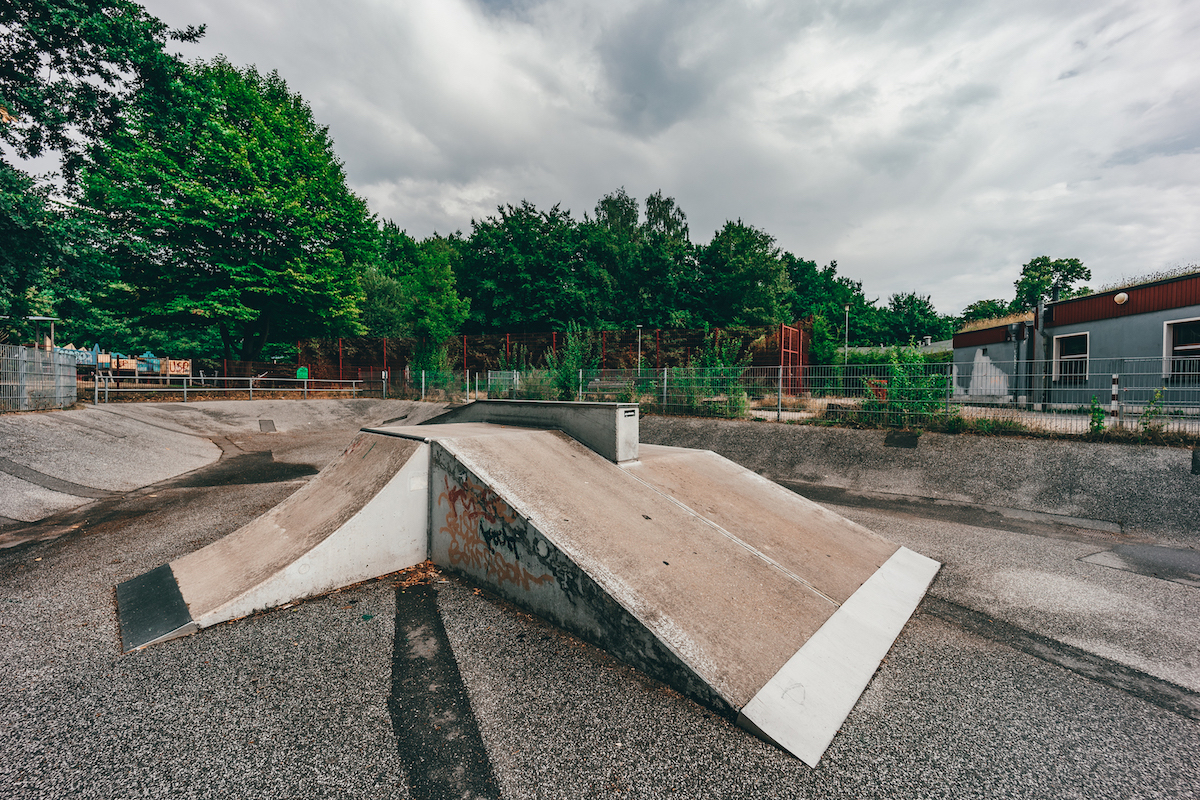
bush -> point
(578, 353)
(911, 393)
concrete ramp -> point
(738, 593)
(744, 596)
(329, 534)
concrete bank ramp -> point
(736, 592)
(362, 516)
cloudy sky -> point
(930, 146)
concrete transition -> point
(733, 590)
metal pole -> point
(306, 388)
(185, 383)
(96, 388)
(664, 390)
(779, 403)
(639, 361)
(580, 395)
(250, 383)
(422, 384)
(846, 348)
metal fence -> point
(107, 388)
(33, 379)
(1140, 396)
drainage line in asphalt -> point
(1164, 694)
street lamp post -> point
(846, 349)
(639, 361)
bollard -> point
(1113, 407)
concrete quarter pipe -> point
(736, 592)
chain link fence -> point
(35, 380)
(1136, 396)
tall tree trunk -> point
(226, 340)
(256, 338)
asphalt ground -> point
(984, 693)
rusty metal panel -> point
(1175, 293)
(981, 337)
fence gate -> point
(791, 359)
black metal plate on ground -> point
(901, 439)
(266, 426)
(151, 607)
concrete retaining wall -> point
(1096, 485)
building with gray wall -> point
(1068, 352)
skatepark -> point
(1054, 654)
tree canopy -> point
(231, 210)
(410, 289)
(69, 67)
(1044, 279)
(985, 309)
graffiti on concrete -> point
(485, 538)
(476, 521)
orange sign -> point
(179, 367)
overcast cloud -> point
(931, 146)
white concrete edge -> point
(389, 533)
(803, 705)
(178, 633)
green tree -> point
(747, 280)
(527, 268)
(985, 309)
(579, 352)
(1043, 279)
(69, 67)
(33, 235)
(912, 316)
(618, 212)
(437, 311)
(385, 305)
(229, 209)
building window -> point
(1184, 340)
(1071, 358)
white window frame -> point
(1168, 343)
(1057, 366)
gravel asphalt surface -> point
(302, 701)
